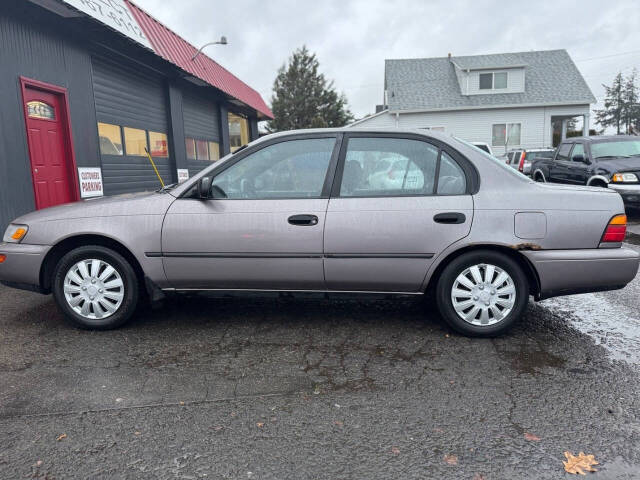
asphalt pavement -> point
(314, 388)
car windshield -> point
(616, 149)
(500, 163)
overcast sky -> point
(352, 38)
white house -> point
(507, 99)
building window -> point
(493, 81)
(509, 132)
(214, 151)
(159, 145)
(135, 141)
(191, 148)
(110, 138)
(238, 131)
(202, 150)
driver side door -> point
(263, 227)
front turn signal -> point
(15, 233)
(616, 230)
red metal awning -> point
(178, 51)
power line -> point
(607, 56)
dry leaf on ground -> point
(260, 424)
(579, 464)
(61, 437)
(451, 459)
(395, 450)
(531, 437)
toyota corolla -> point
(307, 211)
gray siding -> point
(133, 174)
(201, 117)
(37, 50)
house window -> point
(135, 141)
(159, 145)
(508, 133)
(493, 81)
(214, 151)
(110, 138)
(238, 131)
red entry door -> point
(51, 164)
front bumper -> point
(565, 272)
(630, 193)
(21, 269)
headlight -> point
(15, 233)
(624, 178)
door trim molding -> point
(285, 255)
(25, 83)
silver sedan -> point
(309, 211)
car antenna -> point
(154, 166)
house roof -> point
(422, 84)
(175, 49)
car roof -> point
(601, 138)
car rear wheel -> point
(538, 177)
(95, 287)
(482, 293)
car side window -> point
(451, 178)
(289, 169)
(578, 149)
(563, 151)
(395, 167)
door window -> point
(451, 179)
(388, 167)
(578, 149)
(563, 152)
(293, 169)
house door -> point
(49, 146)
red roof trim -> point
(178, 51)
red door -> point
(49, 147)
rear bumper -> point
(21, 269)
(565, 272)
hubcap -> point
(93, 289)
(483, 294)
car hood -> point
(631, 164)
(144, 203)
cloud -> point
(353, 38)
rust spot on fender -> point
(526, 246)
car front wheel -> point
(482, 293)
(95, 287)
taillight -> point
(521, 165)
(616, 230)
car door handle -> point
(449, 217)
(303, 220)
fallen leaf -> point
(478, 476)
(217, 428)
(260, 424)
(451, 459)
(338, 423)
(531, 437)
(579, 464)
(38, 463)
(395, 450)
(136, 433)
(61, 437)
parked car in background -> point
(521, 158)
(483, 146)
(611, 161)
(331, 224)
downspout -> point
(397, 120)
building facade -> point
(90, 89)
(513, 100)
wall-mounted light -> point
(222, 41)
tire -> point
(499, 316)
(537, 177)
(111, 297)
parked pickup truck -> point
(611, 161)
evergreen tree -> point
(612, 115)
(630, 100)
(303, 98)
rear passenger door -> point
(560, 167)
(385, 225)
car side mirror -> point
(204, 188)
(580, 158)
